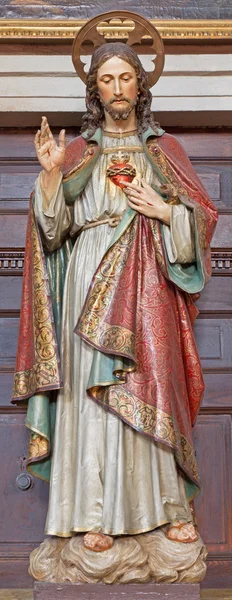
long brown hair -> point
(94, 116)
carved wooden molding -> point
(216, 410)
(194, 30)
(221, 262)
(12, 262)
(9, 410)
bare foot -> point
(98, 542)
(182, 532)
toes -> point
(186, 533)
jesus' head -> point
(117, 84)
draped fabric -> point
(37, 363)
(139, 268)
(147, 369)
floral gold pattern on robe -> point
(37, 365)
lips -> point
(118, 101)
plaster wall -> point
(195, 89)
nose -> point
(117, 88)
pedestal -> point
(99, 591)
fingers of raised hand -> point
(40, 142)
(37, 140)
(44, 124)
(62, 140)
(45, 133)
(43, 127)
(44, 148)
(40, 139)
(48, 130)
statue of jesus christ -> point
(136, 222)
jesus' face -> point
(117, 87)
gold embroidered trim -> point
(123, 340)
(149, 420)
(116, 149)
(107, 532)
(162, 163)
(38, 378)
(45, 372)
(38, 447)
(120, 338)
(115, 134)
(76, 168)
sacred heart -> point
(121, 172)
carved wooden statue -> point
(117, 251)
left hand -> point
(147, 201)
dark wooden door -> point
(23, 511)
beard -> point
(117, 113)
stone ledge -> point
(89, 591)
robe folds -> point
(136, 318)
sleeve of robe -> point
(54, 217)
(179, 236)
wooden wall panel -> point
(26, 522)
(223, 235)
(216, 296)
(6, 386)
(214, 342)
(18, 184)
(212, 436)
(8, 341)
(23, 513)
(211, 154)
(13, 230)
(205, 145)
(218, 393)
(217, 179)
(10, 293)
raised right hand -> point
(49, 154)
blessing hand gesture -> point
(49, 154)
(147, 201)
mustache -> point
(123, 99)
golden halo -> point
(142, 31)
